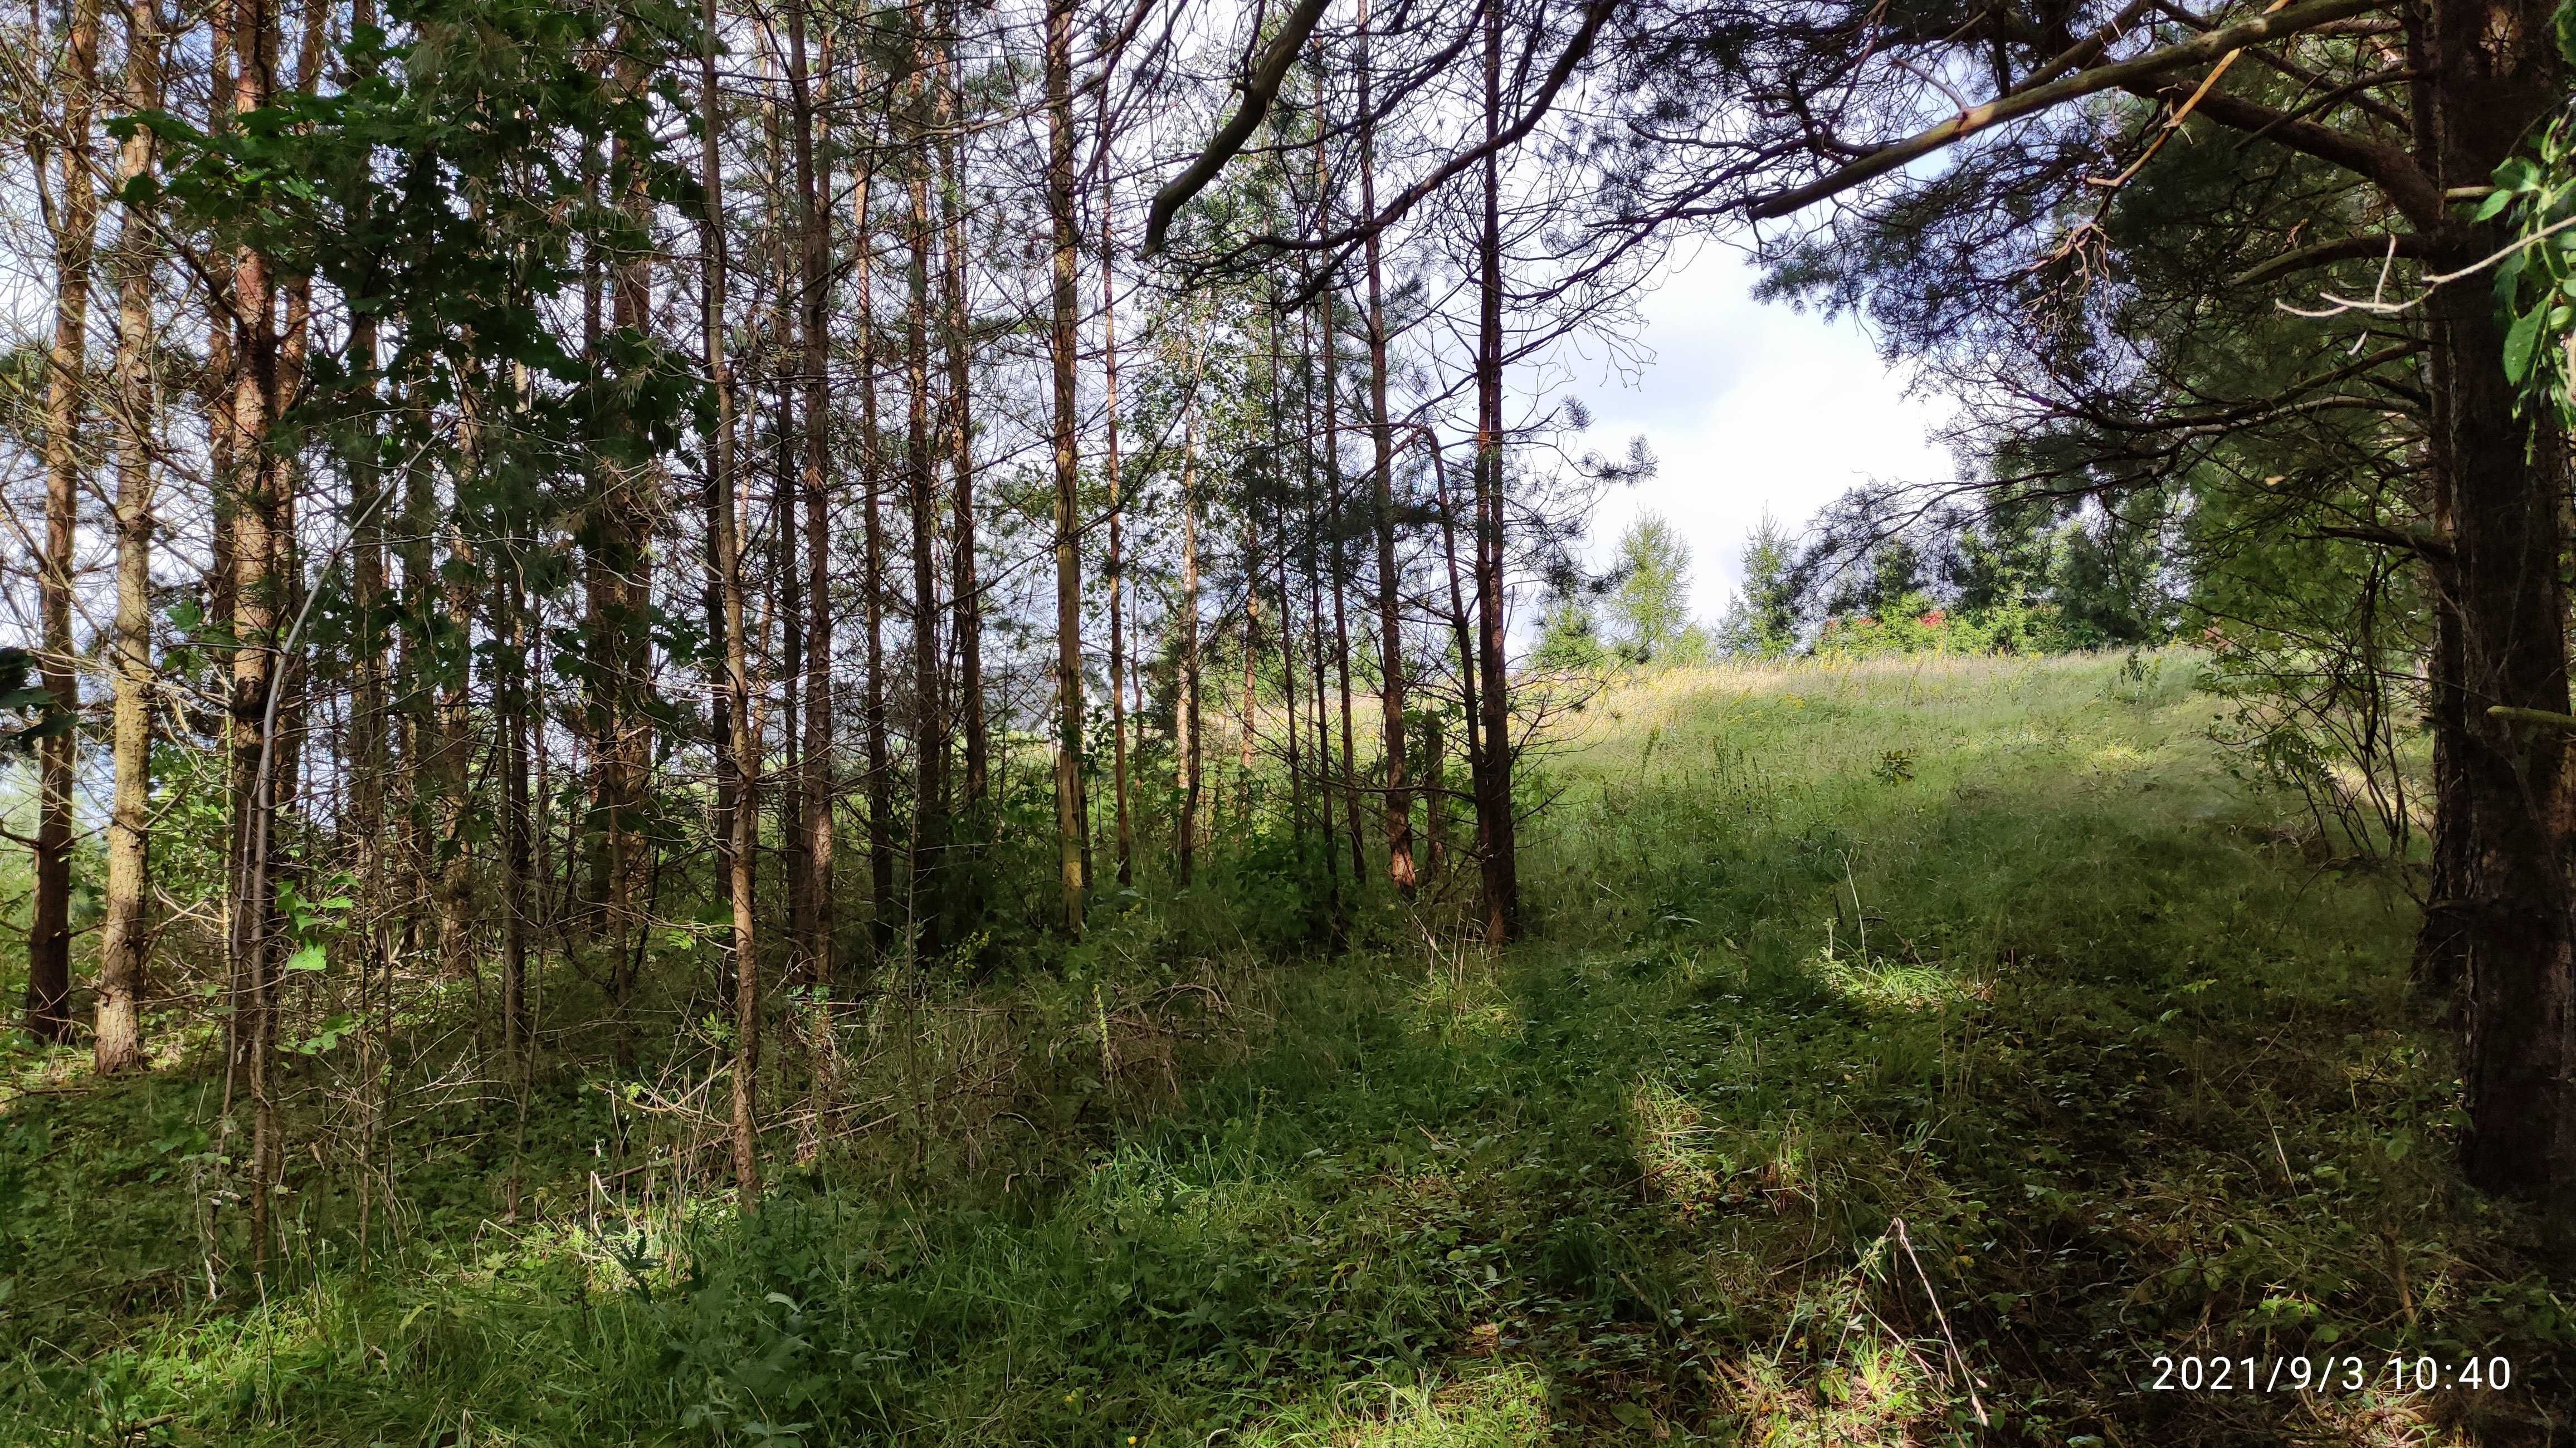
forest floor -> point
(1907, 1053)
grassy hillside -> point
(1902, 1047)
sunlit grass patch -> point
(1894, 985)
(1670, 1136)
(1463, 996)
(1500, 1407)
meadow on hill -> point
(1909, 1051)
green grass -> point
(1897, 1043)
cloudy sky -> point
(1749, 406)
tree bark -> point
(257, 592)
(1497, 849)
(930, 728)
(2493, 73)
(745, 815)
(813, 227)
(969, 601)
(1117, 546)
(49, 936)
(125, 941)
(1070, 841)
(1391, 687)
(1192, 743)
(872, 584)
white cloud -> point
(1750, 407)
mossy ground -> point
(1900, 1048)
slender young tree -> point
(813, 230)
(1191, 755)
(1497, 846)
(930, 726)
(1117, 562)
(968, 589)
(872, 578)
(1072, 847)
(744, 820)
(1390, 596)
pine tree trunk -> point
(1470, 712)
(2492, 74)
(1333, 519)
(125, 937)
(813, 227)
(872, 586)
(1497, 848)
(125, 934)
(75, 215)
(930, 728)
(1192, 743)
(1317, 519)
(745, 816)
(968, 589)
(1117, 524)
(518, 848)
(1072, 845)
(1391, 685)
(257, 592)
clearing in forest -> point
(1900, 1048)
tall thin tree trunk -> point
(1332, 366)
(1126, 840)
(371, 729)
(813, 223)
(745, 820)
(1251, 652)
(1391, 687)
(968, 589)
(125, 939)
(49, 936)
(1318, 522)
(872, 583)
(788, 150)
(1192, 741)
(1495, 828)
(1288, 665)
(1070, 830)
(1463, 639)
(257, 592)
(930, 728)
(518, 848)
(1435, 795)
(621, 576)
